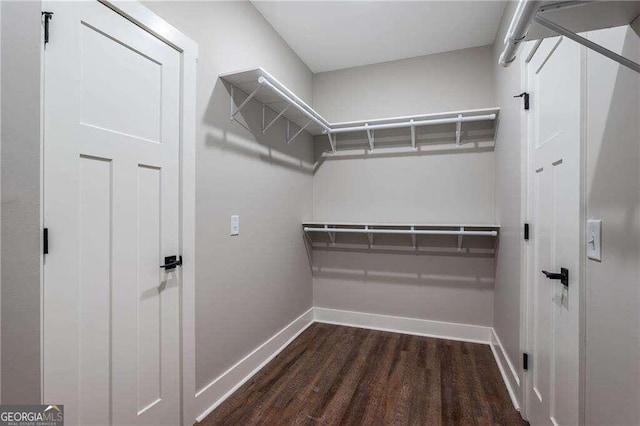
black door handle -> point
(170, 263)
(563, 276)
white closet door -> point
(555, 84)
(111, 314)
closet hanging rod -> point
(402, 231)
(518, 29)
(413, 123)
(530, 11)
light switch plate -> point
(594, 239)
(235, 225)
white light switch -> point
(235, 225)
(594, 239)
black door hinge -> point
(45, 241)
(525, 361)
(48, 16)
(524, 95)
(526, 232)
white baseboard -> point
(212, 395)
(418, 327)
(507, 370)
(221, 388)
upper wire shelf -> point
(261, 86)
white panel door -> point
(554, 75)
(111, 153)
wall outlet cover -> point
(235, 225)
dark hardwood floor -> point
(334, 375)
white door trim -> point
(143, 17)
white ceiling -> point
(332, 35)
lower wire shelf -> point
(330, 229)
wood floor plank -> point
(335, 375)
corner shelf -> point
(414, 230)
(258, 84)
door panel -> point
(149, 295)
(555, 84)
(94, 293)
(111, 314)
(541, 312)
(133, 106)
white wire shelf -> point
(414, 230)
(279, 102)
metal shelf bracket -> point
(413, 134)
(264, 128)
(332, 142)
(235, 111)
(414, 238)
(460, 238)
(369, 136)
(332, 235)
(298, 132)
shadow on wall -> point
(616, 175)
(612, 290)
(407, 269)
(476, 137)
(450, 288)
(244, 135)
(435, 261)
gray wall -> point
(436, 184)
(20, 236)
(613, 285)
(448, 81)
(250, 286)
(508, 181)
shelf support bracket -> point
(458, 130)
(235, 111)
(460, 239)
(414, 238)
(299, 131)
(264, 128)
(288, 129)
(369, 236)
(332, 142)
(332, 235)
(413, 134)
(369, 135)
(231, 104)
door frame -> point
(528, 252)
(188, 49)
